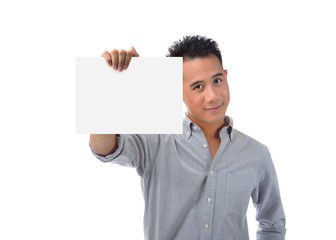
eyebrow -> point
(201, 81)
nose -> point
(210, 94)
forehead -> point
(201, 68)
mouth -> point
(214, 109)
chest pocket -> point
(237, 197)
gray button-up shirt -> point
(190, 196)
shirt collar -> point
(189, 127)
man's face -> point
(205, 90)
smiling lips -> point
(213, 109)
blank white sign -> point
(144, 99)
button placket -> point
(209, 196)
(209, 206)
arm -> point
(133, 150)
(266, 198)
(103, 144)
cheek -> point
(226, 91)
(227, 97)
(192, 102)
(185, 93)
(188, 96)
(185, 96)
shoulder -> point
(255, 150)
(247, 142)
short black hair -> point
(194, 46)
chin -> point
(213, 119)
(206, 117)
(217, 119)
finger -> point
(129, 54)
(121, 59)
(114, 56)
(135, 53)
(107, 57)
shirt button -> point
(206, 226)
(194, 127)
(209, 200)
(204, 145)
(188, 134)
(211, 172)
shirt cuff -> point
(112, 156)
(270, 236)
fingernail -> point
(120, 68)
(115, 66)
(125, 67)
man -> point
(197, 185)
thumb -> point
(135, 53)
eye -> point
(198, 87)
(217, 80)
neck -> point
(210, 130)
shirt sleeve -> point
(267, 201)
(134, 150)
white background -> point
(281, 62)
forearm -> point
(103, 144)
